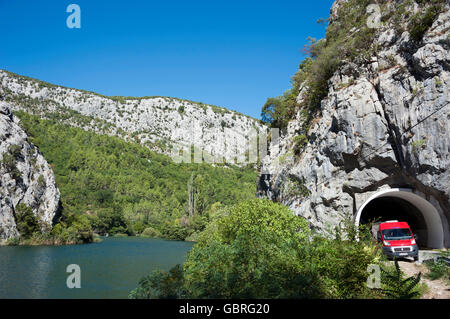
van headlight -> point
(413, 241)
(386, 243)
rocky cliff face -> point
(383, 124)
(26, 178)
(157, 122)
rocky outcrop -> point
(382, 124)
(156, 122)
(26, 178)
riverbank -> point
(46, 240)
(57, 242)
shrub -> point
(245, 253)
(299, 142)
(160, 284)
(9, 161)
(437, 269)
(422, 21)
(26, 222)
(295, 187)
(151, 232)
(174, 231)
(416, 146)
(398, 287)
(259, 249)
(15, 151)
(41, 181)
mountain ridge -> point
(159, 123)
(124, 97)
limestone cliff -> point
(156, 122)
(26, 178)
(383, 124)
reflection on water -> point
(108, 270)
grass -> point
(438, 269)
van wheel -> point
(416, 258)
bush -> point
(174, 231)
(9, 161)
(299, 142)
(161, 285)
(151, 232)
(422, 21)
(261, 250)
(26, 222)
(437, 269)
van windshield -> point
(397, 234)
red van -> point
(397, 239)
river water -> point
(110, 269)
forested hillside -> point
(114, 187)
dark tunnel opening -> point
(393, 208)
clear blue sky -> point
(228, 53)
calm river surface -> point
(109, 269)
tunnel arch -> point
(422, 216)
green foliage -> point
(295, 187)
(75, 229)
(181, 109)
(279, 110)
(246, 252)
(26, 222)
(15, 151)
(41, 181)
(111, 221)
(347, 39)
(150, 232)
(299, 142)
(438, 269)
(123, 187)
(418, 145)
(160, 285)
(398, 287)
(10, 159)
(259, 249)
(342, 262)
(424, 19)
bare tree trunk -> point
(191, 198)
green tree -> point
(160, 285)
(247, 253)
(26, 222)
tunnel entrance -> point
(404, 205)
(392, 208)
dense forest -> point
(109, 186)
